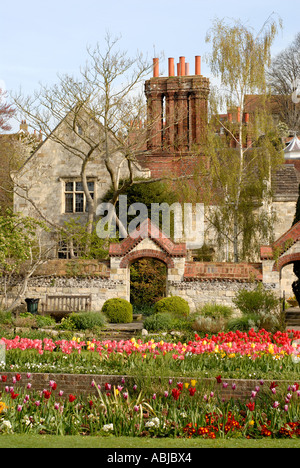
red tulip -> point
(176, 393)
(251, 406)
(72, 398)
(47, 394)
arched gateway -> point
(146, 242)
(284, 251)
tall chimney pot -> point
(155, 67)
(182, 66)
(198, 65)
(171, 66)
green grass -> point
(41, 441)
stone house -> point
(49, 185)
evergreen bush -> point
(118, 311)
(175, 305)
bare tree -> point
(284, 78)
(101, 107)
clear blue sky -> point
(40, 39)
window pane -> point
(69, 202)
(79, 203)
(79, 187)
(69, 187)
(87, 205)
(91, 186)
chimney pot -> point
(171, 67)
(198, 65)
(187, 69)
(182, 66)
(155, 67)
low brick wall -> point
(81, 384)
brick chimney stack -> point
(176, 107)
(24, 126)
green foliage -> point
(66, 324)
(244, 323)
(144, 309)
(204, 254)
(5, 318)
(118, 310)
(166, 322)
(216, 311)
(147, 281)
(146, 193)
(17, 241)
(44, 321)
(85, 245)
(158, 322)
(87, 320)
(258, 301)
(260, 306)
(175, 305)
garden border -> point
(81, 384)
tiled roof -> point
(285, 181)
(148, 230)
(282, 244)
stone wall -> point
(81, 384)
(200, 292)
(197, 282)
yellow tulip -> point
(193, 383)
(186, 385)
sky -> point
(41, 39)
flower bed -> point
(235, 355)
(176, 409)
(60, 387)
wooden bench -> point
(63, 305)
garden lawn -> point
(41, 441)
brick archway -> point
(286, 260)
(146, 253)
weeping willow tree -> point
(241, 152)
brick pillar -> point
(182, 121)
(198, 108)
(170, 120)
(155, 121)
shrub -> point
(174, 305)
(208, 324)
(158, 322)
(66, 324)
(261, 303)
(87, 320)
(166, 322)
(44, 321)
(258, 301)
(244, 323)
(118, 310)
(216, 311)
(5, 317)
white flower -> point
(6, 425)
(108, 427)
(153, 423)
